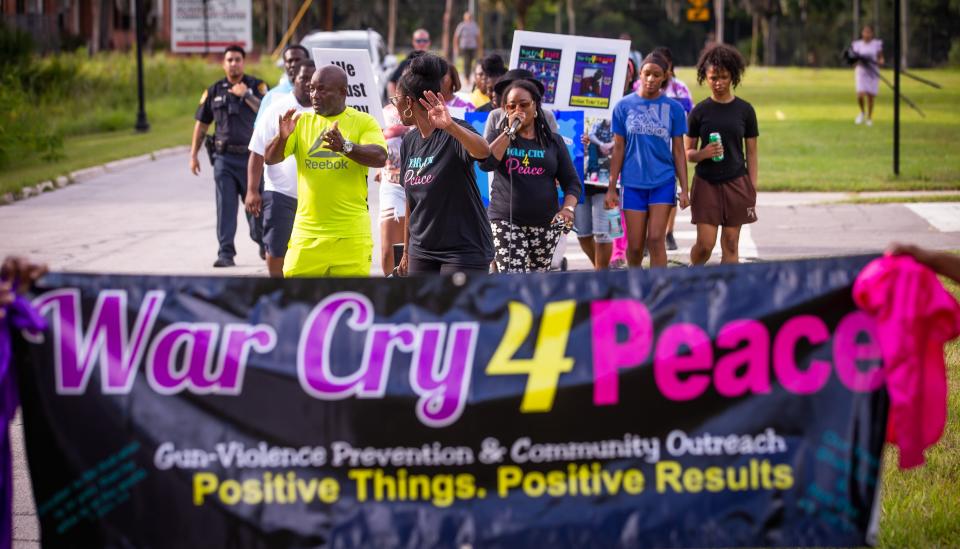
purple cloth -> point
(20, 315)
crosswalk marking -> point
(686, 238)
(944, 216)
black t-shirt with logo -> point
(535, 169)
(735, 121)
(447, 220)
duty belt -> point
(225, 148)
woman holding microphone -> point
(528, 159)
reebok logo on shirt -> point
(316, 151)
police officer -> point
(232, 103)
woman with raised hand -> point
(528, 159)
(447, 227)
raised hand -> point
(287, 123)
(437, 112)
(332, 137)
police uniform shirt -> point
(234, 118)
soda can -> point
(616, 226)
(715, 138)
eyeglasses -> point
(421, 40)
(394, 100)
(523, 105)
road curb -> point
(79, 176)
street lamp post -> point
(142, 125)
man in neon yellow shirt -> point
(334, 147)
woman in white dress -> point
(870, 50)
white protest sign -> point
(578, 72)
(362, 93)
(200, 26)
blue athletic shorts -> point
(638, 200)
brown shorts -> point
(730, 203)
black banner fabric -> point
(700, 407)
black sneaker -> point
(224, 262)
(671, 242)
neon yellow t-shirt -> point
(331, 188)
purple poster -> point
(592, 80)
(544, 63)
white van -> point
(370, 40)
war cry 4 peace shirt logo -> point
(330, 160)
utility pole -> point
(896, 86)
(142, 125)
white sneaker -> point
(869, 121)
(859, 119)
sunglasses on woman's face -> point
(522, 105)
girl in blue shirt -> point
(648, 158)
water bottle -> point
(715, 138)
(604, 176)
(616, 226)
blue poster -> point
(479, 120)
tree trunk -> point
(328, 16)
(558, 20)
(391, 25)
(479, 18)
(770, 40)
(571, 18)
(718, 20)
(755, 40)
(856, 19)
(446, 44)
(271, 25)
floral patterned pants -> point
(524, 249)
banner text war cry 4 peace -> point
(743, 358)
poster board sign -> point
(578, 72)
(361, 88)
(199, 26)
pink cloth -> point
(915, 317)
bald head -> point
(328, 90)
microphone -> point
(512, 130)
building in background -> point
(94, 24)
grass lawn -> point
(808, 141)
(920, 506)
(171, 124)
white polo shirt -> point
(282, 177)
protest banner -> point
(578, 72)
(362, 91)
(702, 407)
(204, 26)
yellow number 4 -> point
(548, 360)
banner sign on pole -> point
(209, 26)
(362, 91)
(577, 71)
(702, 407)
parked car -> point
(370, 40)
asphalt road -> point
(155, 217)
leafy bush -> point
(45, 99)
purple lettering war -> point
(207, 358)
